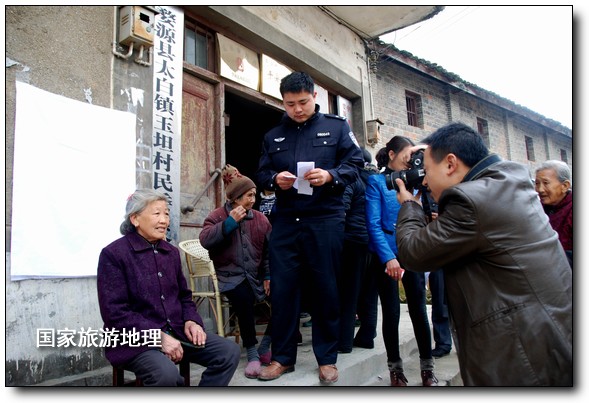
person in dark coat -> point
(142, 290)
(554, 186)
(508, 281)
(236, 237)
(355, 253)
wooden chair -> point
(201, 269)
(118, 375)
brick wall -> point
(442, 103)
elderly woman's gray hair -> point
(562, 170)
(136, 203)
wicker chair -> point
(200, 267)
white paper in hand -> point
(303, 186)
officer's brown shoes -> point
(274, 370)
(328, 373)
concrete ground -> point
(361, 367)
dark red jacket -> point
(239, 250)
(561, 219)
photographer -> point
(385, 271)
(508, 281)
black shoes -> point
(299, 339)
(440, 352)
(368, 345)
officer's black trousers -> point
(305, 251)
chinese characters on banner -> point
(49, 337)
(167, 110)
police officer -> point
(308, 227)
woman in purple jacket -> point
(147, 306)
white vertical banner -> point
(167, 110)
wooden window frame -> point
(202, 31)
(530, 148)
(483, 130)
(413, 106)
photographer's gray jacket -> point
(508, 281)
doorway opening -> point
(247, 122)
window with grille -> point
(413, 102)
(530, 148)
(563, 155)
(199, 46)
(483, 130)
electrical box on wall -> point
(373, 131)
(136, 24)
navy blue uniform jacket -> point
(325, 139)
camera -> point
(411, 177)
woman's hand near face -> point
(238, 213)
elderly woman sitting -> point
(142, 290)
(554, 186)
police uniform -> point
(307, 235)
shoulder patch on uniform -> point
(354, 139)
(331, 115)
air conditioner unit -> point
(373, 131)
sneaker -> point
(266, 358)
(253, 369)
(440, 352)
(398, 378)
(428, 378)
